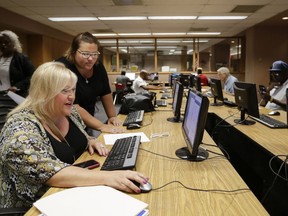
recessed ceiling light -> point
(123, 18)
(284, 18)
(166, 34)
(104, 34)
(134, 34)
(67, 19)
(203, 33)
(221, 17)
(172, 17)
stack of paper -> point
(94, 200)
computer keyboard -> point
(123, 154)
(134, 117)
(270, 122)
(166, 95)
(161, 103)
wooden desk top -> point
(215, 173)
(274, 140)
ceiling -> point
(256, 10)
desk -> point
(174, 199)
(250, 149)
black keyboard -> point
(134, 117)
(123, 154)
(270, 122)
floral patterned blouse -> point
(27, 159)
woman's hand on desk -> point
(111, 129)
(122, 180)
(114, 121)
(94, 144)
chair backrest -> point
(119, 86)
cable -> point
(202, 190)
(222, 149)
(276, 175)
(161, 155)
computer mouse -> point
(133, 126)
(274, 112)
(145, 188)
(164, 98)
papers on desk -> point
(94, 200)
(110, 139)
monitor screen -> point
(177, 102)
(131, 76)
(216, 91)
(193, 127)
(246, 99)
(195, 82)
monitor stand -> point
(242, 119)
(184, 154)
(216, 103)
(174, 120)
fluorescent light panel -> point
(221, 17)
(123, 18)
(69, 19)
(172, 17)
(203, 33)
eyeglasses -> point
(68, 91)
(88, 54)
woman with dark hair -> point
(16, 68)
(93, 82)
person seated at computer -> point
(43, 136)
(275, 94)
(227, 78)
(123, 79)
(140, 84)
(203, 77)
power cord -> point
(202, 190)
(276, 174)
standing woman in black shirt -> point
(16, 68)
(82, 59)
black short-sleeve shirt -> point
(87, 91)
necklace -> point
(87, 81)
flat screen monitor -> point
(172, 77)
(184, 79)
(193, 127)
(246, 99)
(216, 91)
(131, 75)
(177, 102)
(195, 82)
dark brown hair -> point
(81, 37)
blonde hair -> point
(14, 39)
(48, 80)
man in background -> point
(275, 94)
(227, 78)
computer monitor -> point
(216, 91)
(195, 82)
(131, 75)
(247, 101)
(172, 77)
(177, 102)
(184, 79)
(153, 76)
(193, 127)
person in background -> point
(42, 138)
(203, 77)
(275, 94)
(140, 84)
(82, 59)
(227, 78)
(16, 68)
(122, 78)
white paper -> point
(110, 139)
(15, 97)
(94, 200)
